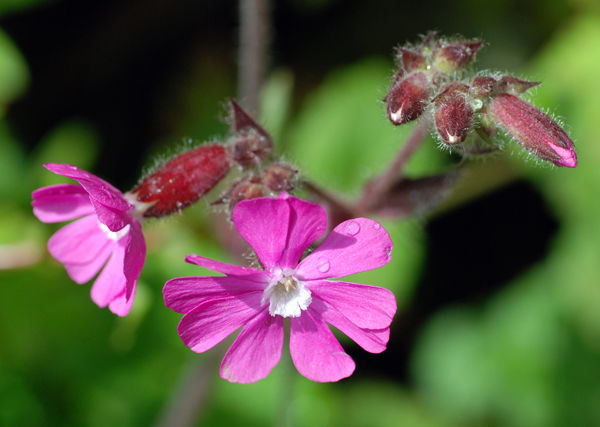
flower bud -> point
(411, 60)
(270, 182)
(483, 86)
(533, 129)
(456, 56)
(245, 190)
(453, 114)
(183, 180)
(408, 98)
(252, 144)
(279, 177)
(251, 150)
(514, 86)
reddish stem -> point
(380, 185)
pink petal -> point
(114, 219)
(79, 242)
(372, 340)
(308, 222)
(121, 305)
(58, 190)
(316, 353)
(135, 255)
(211, 322)
(81, 273)
(111, 281)
(264, 223)
(185, 293)
(97, 188)
(62, 202)
(366, 306)
(255, 351)
(354, 246)
(221, 267)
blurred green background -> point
(498, 289)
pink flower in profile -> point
(108, 229)
(280, 231)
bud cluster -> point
(187, 177)
(467, 111)
(270, 182)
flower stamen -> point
(288, 283)
(286, 296)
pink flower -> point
(280, 231)
(108, 230)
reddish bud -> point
(534, 130)
(408, 98)
(251, 150)
(279, 177)
(456, 56)
(253, 144)
(411, 60)
(514, 86)
(483, 86)
(454, 114)
(276, 178)
(183, 180)
(244, 190)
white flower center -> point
(114, 235)
(287, 295)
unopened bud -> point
(534, 130)
(183, 180)
(245, 191)
(514, 86)
(270, 182)
(408, 98)
(279, 177)
(251, 150)
(252, 144)
(456, 56)
(411, 60)
(454, 114)
(483, 86)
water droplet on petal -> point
(377, 226)
(323, 265)
(352, 228)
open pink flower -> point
(280, 230)
(108, 230)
